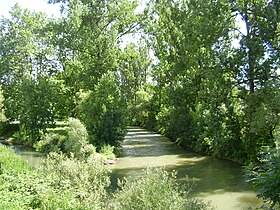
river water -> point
(218, 181)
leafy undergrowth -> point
(264, 177)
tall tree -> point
(214, 95)
(257, 79)
(134, 73)
(28, 61)
(90, 32)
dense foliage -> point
(103, 112)
(204, 73)
(62, 182)
(71, 139)
(216, 82)
(265, 177)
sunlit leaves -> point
(103, 112)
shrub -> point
(81, 181)
(156, 189)
(51, 142)
(108, 152)
(62, 182)
(67, 183)
(10, 163)
(265, 176)
(21, 136)
(77, 137)
(103, 112)
(19, 182)
(71, 140)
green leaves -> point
(103, 112)
(265, 177)
(211, 93)
(155, 189)
(201, 90)
(61, 182)
(46, 62)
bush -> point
(68, 183)
(62, 182)
(77, 137)
(21, 136)
(156, 189)
(73, 140)
(108, 152)
(103, 112)
(10, 163)
(81, 181)
(19, 182)
(176, 123)
(51, 142)
(265, 176)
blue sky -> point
(33, 5)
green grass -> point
(11, 163)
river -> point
(218, 181)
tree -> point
(213, 95)
(88, 37)
(31, 92)
(256, 72)
(185, 36)
(134, 67)
(103, 112)
(87, 40)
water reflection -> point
(216, 180)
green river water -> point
(218, 181)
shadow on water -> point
(217, 180)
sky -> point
(32, 5)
